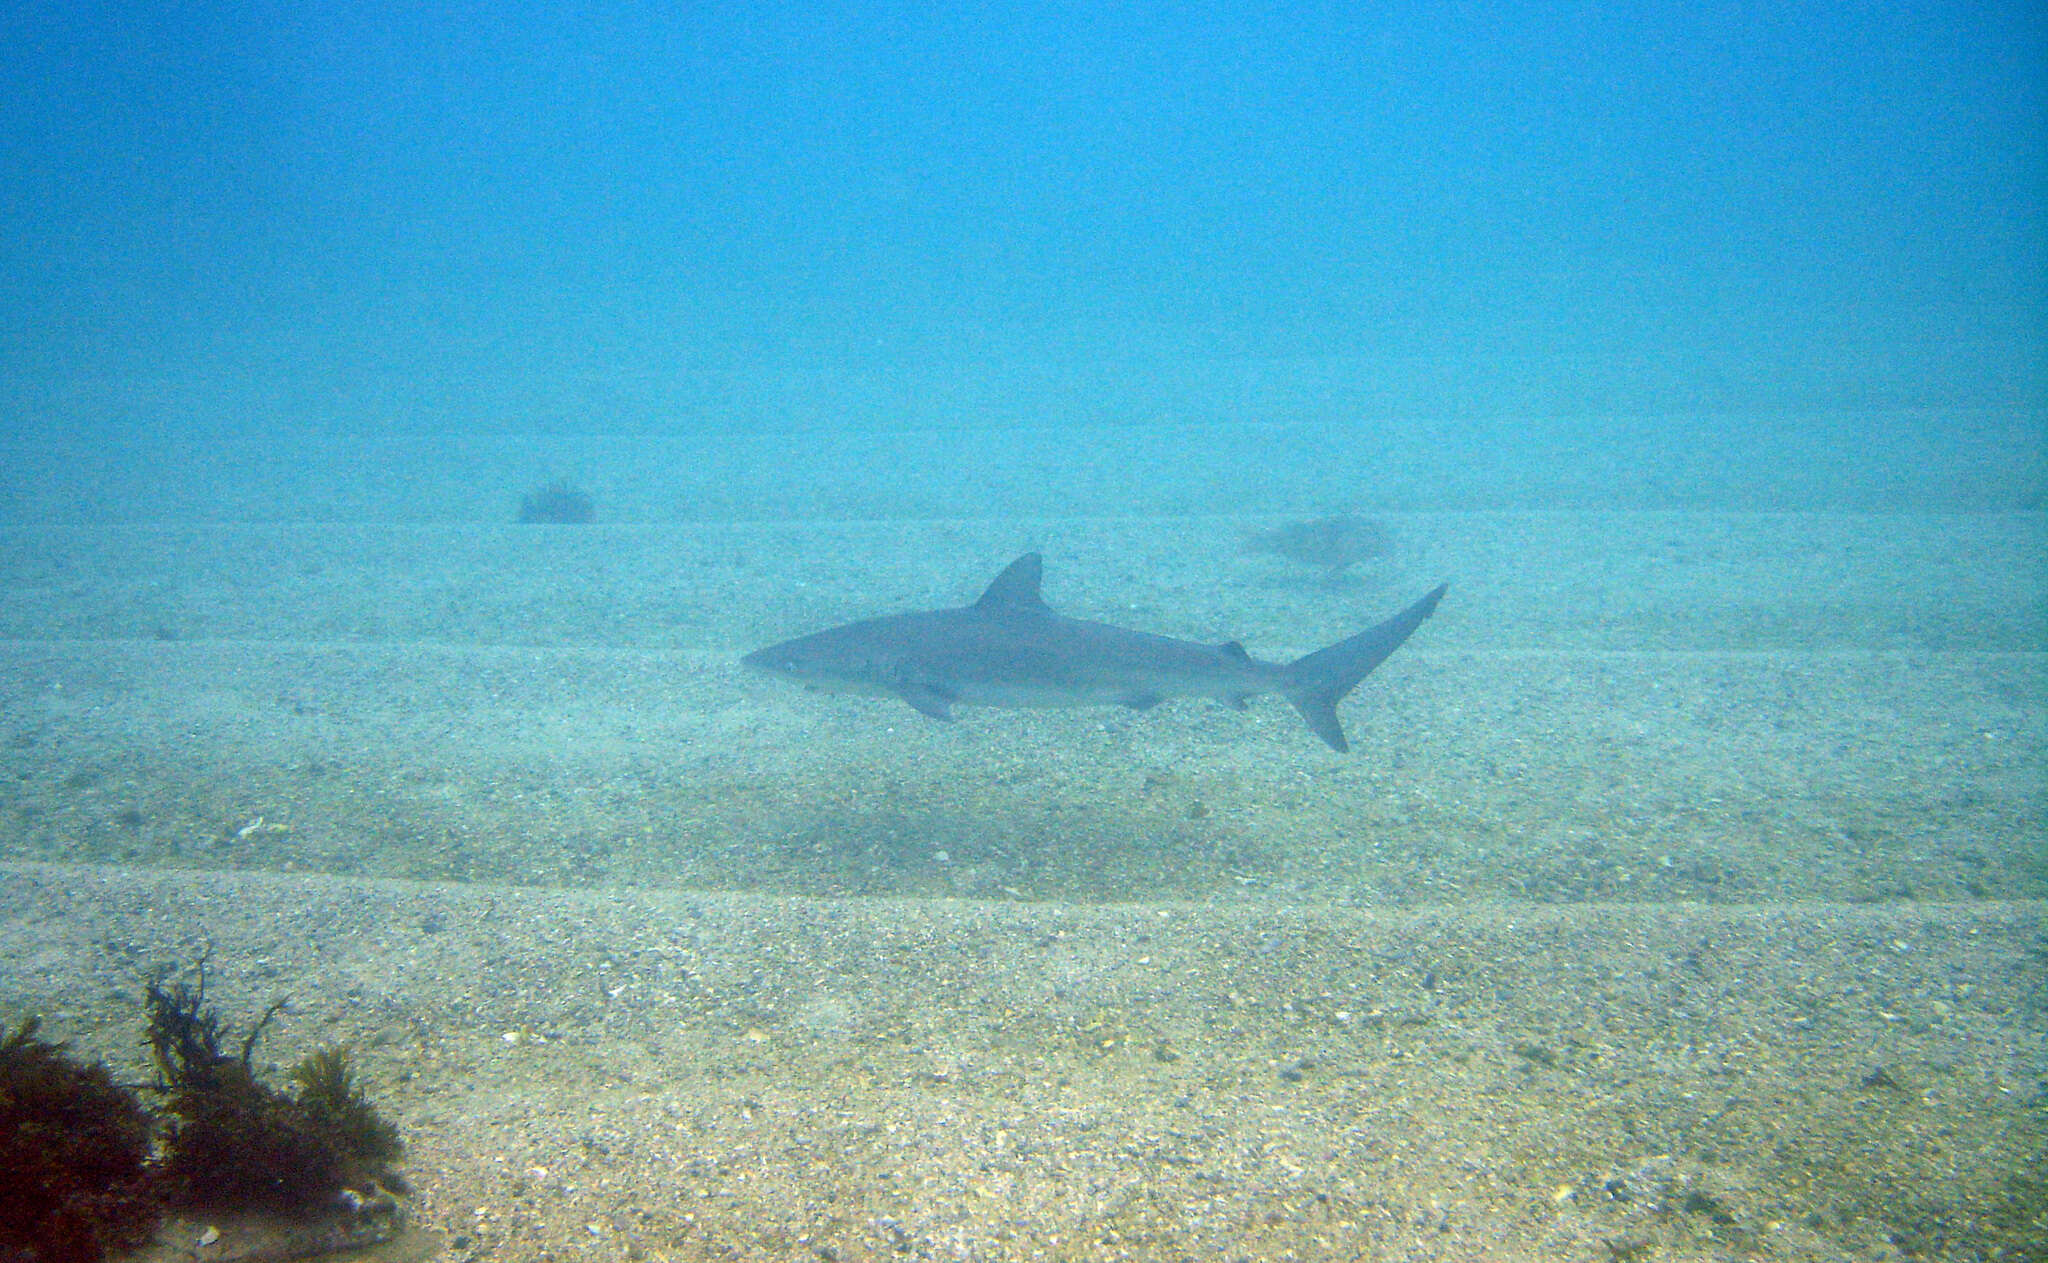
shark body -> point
(1010, 649)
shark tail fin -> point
(1317, 682)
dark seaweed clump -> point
(331, 1097)
(557, 504)
(78, 1181)
(74, 1153)
(236, 1142)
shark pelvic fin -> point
(927, 700)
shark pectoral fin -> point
(1140, 700)
(927, 700)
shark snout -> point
(785, 662)
(769, 662)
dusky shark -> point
(1010, 649)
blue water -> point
(274, 218)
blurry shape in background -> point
(557, 504)
(1334, 544)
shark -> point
(1010, 649)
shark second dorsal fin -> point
(1016, 588)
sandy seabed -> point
(1683, 896)
(621, 1074)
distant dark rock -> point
(557, 504)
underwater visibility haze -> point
(416, 420)
(263, 217)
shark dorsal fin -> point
(1016, 588)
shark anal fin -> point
(1138, 700)
(927, 700)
